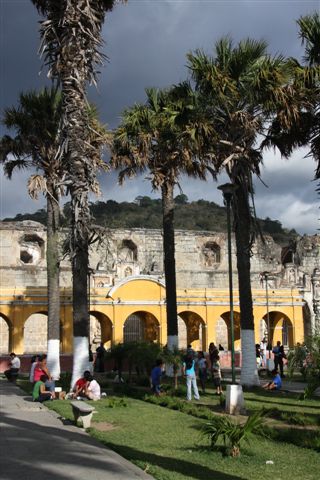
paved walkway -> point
(35, 444)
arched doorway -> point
(281, 328)
(35, 333)
(100, 330)
(141, 326)
(223, 331)
(195, 331)
(5, 340)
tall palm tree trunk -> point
(169, 264)
(53, 270)
(249, 373)
(74, 74)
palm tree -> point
(71, 39)
(297, 119)
(161, 137)
(239, 85)
(35, 145)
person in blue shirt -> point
(190, 374)
(156, 377)
(276, 382)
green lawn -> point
(168, 444)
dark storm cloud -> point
(147, 42)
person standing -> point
(99, 362)
(156, 377)
(263, 352)
(188, 368)
(202, 370)
(279, 355)
(14, 365)
(216, 375)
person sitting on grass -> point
(92, 390)
(156, 377)
(79, 389)
(276, 382)
(40, 394)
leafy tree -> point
(71, 40)
(163, 138)
(35, 146)
(239, 85)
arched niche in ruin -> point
(128, 251)
(211, 252)
(32, 249)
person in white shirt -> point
(15, 364)
(93, 391)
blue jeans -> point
(192, 381)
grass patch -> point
(169, 445)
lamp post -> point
(228, 190)
(265, 276)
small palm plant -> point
(233, 434)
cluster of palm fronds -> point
(234, 434)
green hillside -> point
(145, 212)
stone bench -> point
(83, 411)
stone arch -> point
(211, 254)
(195, 330)
(281, 328)
(32, 249)
(35, 333)
(141, 326)
(223, 330)
(100, 329)
(128, 251)
(5, 334)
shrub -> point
(233, 434)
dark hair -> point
(159, 362)
(43, 378)
(12, 354)
(87, 374)
(89, 377)
(274, 372)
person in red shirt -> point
(79, 389)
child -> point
(276, 382)
(156, 377)
(216, 374)
(202, 366)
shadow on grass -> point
(273, 401)
(295, 436)
(183, 467)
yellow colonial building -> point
(127, 298)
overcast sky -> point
(146, 42)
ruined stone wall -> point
(201, 258)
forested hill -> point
(145, 212)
